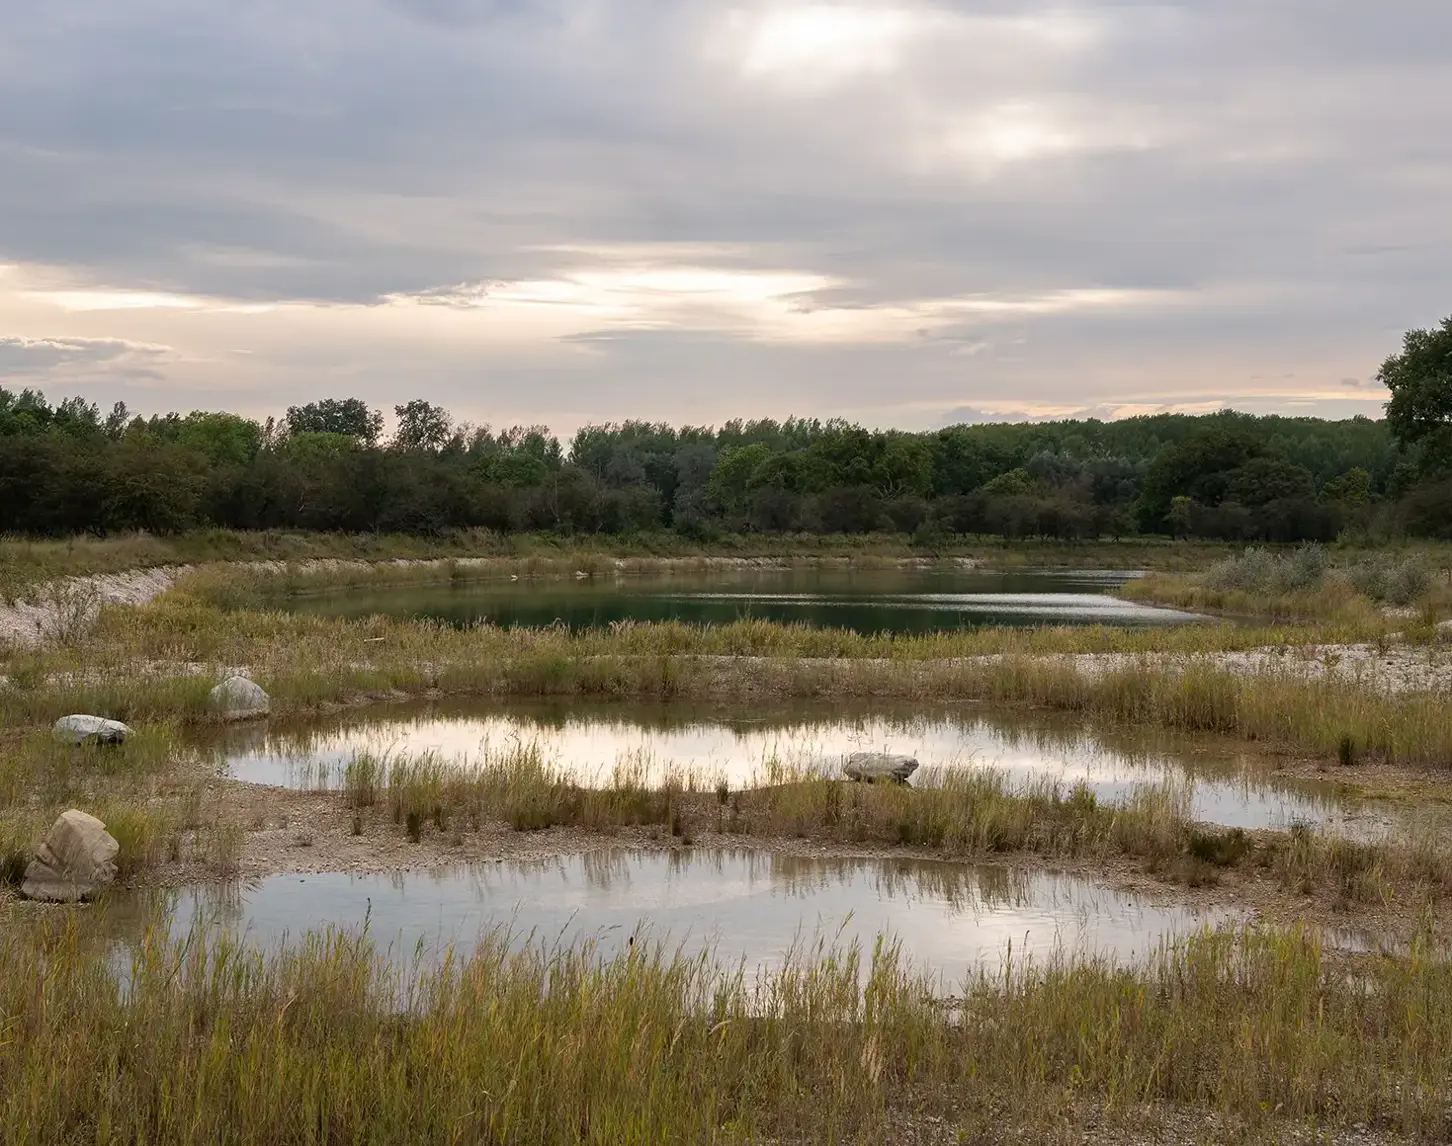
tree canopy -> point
(65, 468)
(1420, 381)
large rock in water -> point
(879, 766)
(238, 698)
(78, 729)
(76, 861)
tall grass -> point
(517, 786)
(201, 1041)
(959, 813)
(145, 790)
(1304, 583)
(159, 662)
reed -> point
(959, 813)
(159, 662)
(518, 787)
(200, 1040)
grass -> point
(1310, 583)
(129, 670)
(202, 1041)
(516, 786)
(146, 791)
(961, 813)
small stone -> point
(81, 729)
(238, 698)
(868, 766)
(77, 860)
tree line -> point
(326, 465)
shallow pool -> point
(743, 907)
(706, 744)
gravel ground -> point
(1393, 668)
(65, 609)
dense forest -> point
(67, 469)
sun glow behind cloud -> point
(826, 41)
(764, 305)
(102, 300)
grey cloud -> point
(1290, 181)
(29, 361)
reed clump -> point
(958, 813)
(518, 787)
(201, 1040)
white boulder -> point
(879, 766)
(81, 729)
(77, 860)
(238, 698)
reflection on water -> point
(867, 601)
(710, 743)
(742, 906)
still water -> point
(707, 743)
(867, 601)
(743, 907)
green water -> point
(867, 601)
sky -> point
(571, 211)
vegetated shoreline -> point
(179, 824)
(1263, 1035)
(1259, 1034)
(252, 832)
(64, 609)
(27, 562)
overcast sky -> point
(577, 210)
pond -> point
(708, 743)
(743, 907)
(867, 601)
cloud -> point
(37, 359)
(883, 208)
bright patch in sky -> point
(827, 41)
(532, 211)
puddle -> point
(742, 907)
(708, 743)
(867, 601)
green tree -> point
(422, 426)
(350, 416)
(1263, 480)
(1420, 381)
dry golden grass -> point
(200, 1041)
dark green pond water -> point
(867, 601)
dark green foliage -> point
(345, 417)
(1420, 381)
(65, 469)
